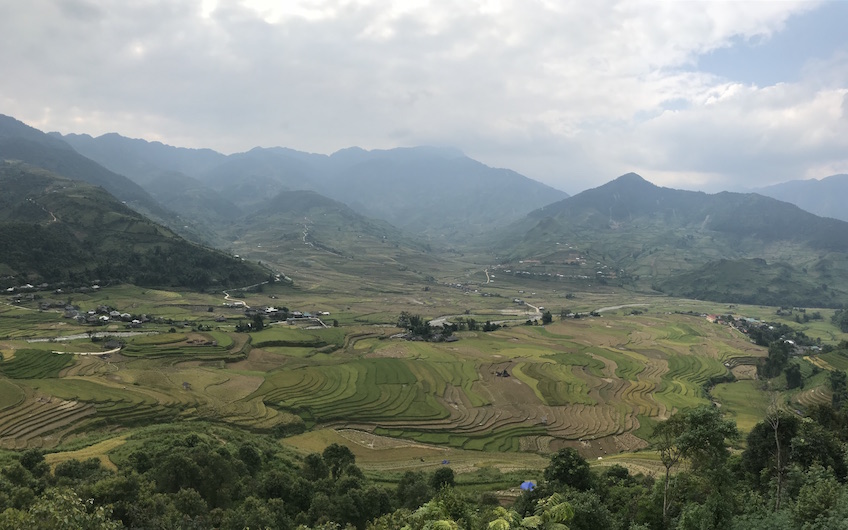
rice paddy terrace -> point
(597, 384)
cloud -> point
(571, 93)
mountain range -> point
(434, 192)
(358, 210)
(825, 197)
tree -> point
(839, 386)
(814, 444)
(551, 513)
(547, 318)
(490, 326)
(337, 457)
(59, 509)
(314, 467)
(665, 438)
(412, 490)
(442, 477)
(840, 320)
(793, 376)
(251, 457)
(769, 442)
(700, 435)
(568, 468)
(778, 356)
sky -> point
(702, 95)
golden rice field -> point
(597, 384)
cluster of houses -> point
(29, 288)
(737, 322)
(747, 325)
(104, 315)
(283, 314)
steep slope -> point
(19, 141)
(191, 199)
(328, 245)
(54, 229)
(825, 197)
(632, 231)
(310, 219)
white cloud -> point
(572, 93)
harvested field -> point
(98, 450)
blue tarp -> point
(528, 486)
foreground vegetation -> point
(792, 474)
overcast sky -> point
(695, 95)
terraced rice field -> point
(595, 384)
(569, 382)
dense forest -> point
(790, 475)
(59, 231)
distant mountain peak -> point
(632, 178)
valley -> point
(479, 331)
(597, 383)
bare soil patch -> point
(744, 371)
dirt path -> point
(229, 298)
(440, 321)
(614, 307)
(107, 352)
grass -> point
(34, 364)
(743, 402)
(10, 394)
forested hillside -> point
(57, 230)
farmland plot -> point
(596, 384)
(523, 387)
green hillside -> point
(751, 281)
(26, 144)
(53, 229)
(631, 232)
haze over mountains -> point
(430, 191)
(825, 197)
(388, 207)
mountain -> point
(437, 192)
(630, 231)
(209, 210)
(329, 244)
(141, 160)
(312, 219)
(825, 197)
(57, 230)
(19, 141)
(754, 281)
(250, 178)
